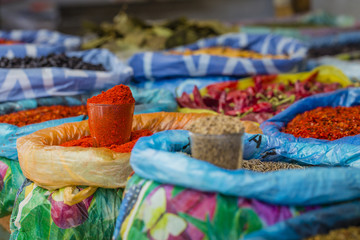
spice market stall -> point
(74, 161)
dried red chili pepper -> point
(42, 114)
(264, 97)
(326, 123)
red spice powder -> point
(42, 114)
(119, 94)
(124, 148)
(326, 123)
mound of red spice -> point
(42, 114)
(119, 94)
(124, 148)
(328, 123)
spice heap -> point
(218, 140)
(350, 233)
(328, 123)
(42, 114)
(8, 42)
(52, 60)
(87, 141)
(216, 125)
(228, 52)
(119, 94)
(257, 103)
(110, 116)
(260, 166)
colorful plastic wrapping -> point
(152, 66)
(175, 195)
(19, 84)
(37, 43)
(11, 179)
(42, 214)
(342, 152)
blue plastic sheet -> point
(179, 85)
(157, 158)
(155, 100)
(18, 84)
(147, 101)
(37, 43)
(158, 65)
(335, 39)
(341, 152)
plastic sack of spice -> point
(51, 166)
(26, 83)
(340, 150)
(260, 97)
(153, 66)
(11, 179)
(175, 196)
(146, 101)
(42, 214)
(22, 43)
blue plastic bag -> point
(157, 65)
(341, 152)
(158, 158)
(155, 100)
(18, 84)
(147, 101)
(37, 43)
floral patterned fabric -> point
(11, 179)
(42, 214)
(157, 211)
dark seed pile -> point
(333, 50)
(351, 233)
(52, 60)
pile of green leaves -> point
(130, 33)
